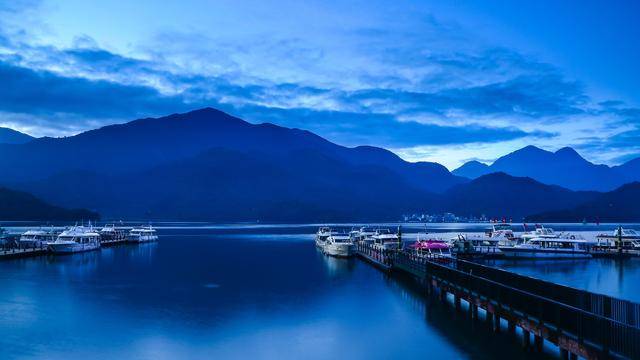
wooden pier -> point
(578, 322)
(15, 253)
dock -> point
(577, 322)
(15, 253)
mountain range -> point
(18, 205)
(10, 136)
(208, 165)
(564, 167)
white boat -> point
(384, 239)
(502, 233)
(363, 234)
(548, 248)
(339, 245)
(627, 239)
(112, 233)
(142, 234)
(539, 232)
(37, 238)
(486, 245)
(75, 239)
(322, 235)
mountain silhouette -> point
(564, 167)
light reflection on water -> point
(248, 293)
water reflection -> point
(336, 267)
(201, 293)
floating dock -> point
(578, 322)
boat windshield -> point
(502, 227)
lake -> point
(243, 292)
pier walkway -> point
(578, 322)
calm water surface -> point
(247, 292)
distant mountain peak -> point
(472, 169)
(10, 136)
(568, 152)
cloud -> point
(400, 83)
(350, 128)
(41, 93)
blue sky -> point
(428, 80)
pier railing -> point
(530, 298)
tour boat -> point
(37, 238)
(483, 245)
(142, 234)
(548, 248)
(502, 233)
(627, 239)
(539, 232)
(339, 245)
(384, 239)
(425, 246)
(75, 239)
(322, 235)
(363, 234)
(111, 233)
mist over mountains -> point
(208, 165)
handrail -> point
(605, 331)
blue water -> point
(244, 292)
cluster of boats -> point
(83, 238)
(342, 243)
(498, 241)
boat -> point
(322, 235)
(621, 238)
(363, 234)
(539, 232)
(142, 234)
(548, 248)
(384, 239)
(110, 233)
(502, 233)
(483, 245)
(75, 239)
(37, 238)
(429, 247)
(339, 245)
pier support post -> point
(511, 325)
(496, 318)
(456, 299)
(573, 356)
(564, 354)
(443, 295)
(526, 339)
(474, 311)
(538, 341)
(489, 318)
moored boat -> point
(483, 245)
(339, 245)
(619, 239)
(430, 247)
(363, 234)
(548, 248)
(110, 233)
(37, 238)
(322, 235)
(142, 234)
(75, 239)
(384, 239)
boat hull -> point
(339, 250)
(68, 248)
(143, 239)
(519, 253)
